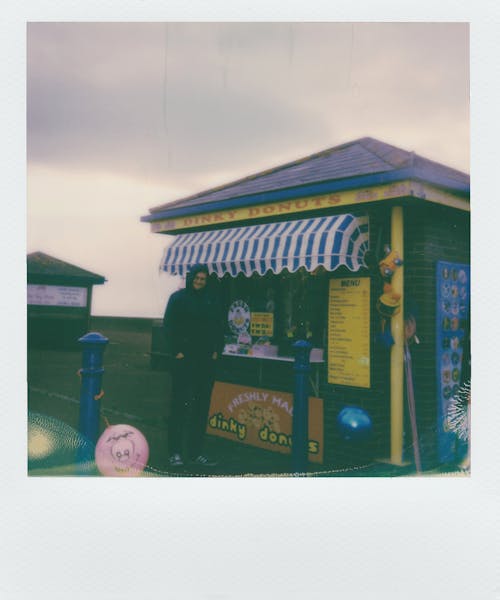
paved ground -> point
(138, 396)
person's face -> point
(200, 281)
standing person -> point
(194, 332)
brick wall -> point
(432, 233)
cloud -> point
(122, 117)
(166, 102)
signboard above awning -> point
(330, 241)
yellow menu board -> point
(262, 323)
(349, 332)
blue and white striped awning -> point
(329, 241)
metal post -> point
(397, 350)
(300, 422)
(91, 372)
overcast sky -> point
(122, 117)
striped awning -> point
(329, 241)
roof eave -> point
(313, 189)
(58, 279)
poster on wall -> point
(349, 332)
(452, 314)
(262, 418)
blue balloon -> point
(354, 424)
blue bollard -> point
(300, 420)
(91, 372)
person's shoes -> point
(203, 461)
(175, 460)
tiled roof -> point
(362, 157)
(42, 265)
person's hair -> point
(193, 271)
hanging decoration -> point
(389, 303)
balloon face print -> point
(121, 451)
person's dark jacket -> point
(193, 321)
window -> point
(267, 314)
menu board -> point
(349, 332)
(452, 314)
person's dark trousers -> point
(192, 382)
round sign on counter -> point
(238, 316)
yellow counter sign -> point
(349, 332)
(262, 323)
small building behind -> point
(59, 297)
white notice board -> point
(57, 295)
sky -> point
(122, 117)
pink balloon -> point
(121, 451)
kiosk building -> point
(362, 249)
